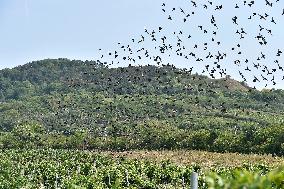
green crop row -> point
(84, 169)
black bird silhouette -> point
(255, 79)
(262, 17)
(279, 52)
(268, 3)
(194, 3)
(235, 20)
(251, 3)
(273, 21)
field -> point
(207, 160)
(136, 169)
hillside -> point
(60, 103)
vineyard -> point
(86, 169)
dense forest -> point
(67, 104)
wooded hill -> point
(59, 103)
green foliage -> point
(86, 105)
(85, 169)
(246, 179)
(230, 142)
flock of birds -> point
(168, 44)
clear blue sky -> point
(76, 29)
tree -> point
(29, 134)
